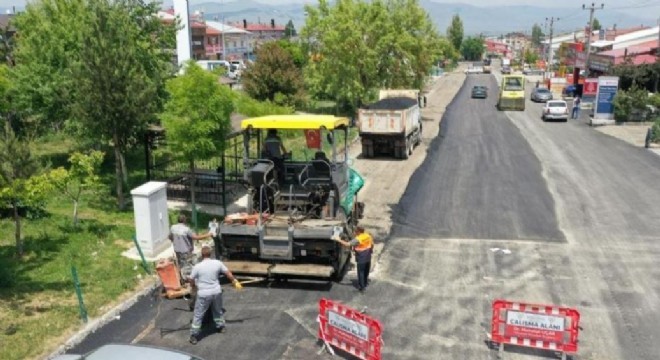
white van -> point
(210, 65)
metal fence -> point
(214, 179)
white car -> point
(555, 110)
(475, 70)
(130, 352)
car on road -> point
(540, 95)
(130, 352)
(479, 92)
(569, 91)
(530, 71)
(474, 70)
(506, 69)
(555, 110)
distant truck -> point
(393, 124)
(506, 62)
(487, 66)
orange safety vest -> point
(366, 242)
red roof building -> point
(644, 53)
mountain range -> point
(490, 21)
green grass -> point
(38, 305)
(38, 301)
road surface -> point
(576, 210)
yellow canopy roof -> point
(290, 122)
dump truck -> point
(512, 93)
(392, 125)
(295, 203)
(487, 66)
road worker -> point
(363, 245)
(275, 151)
(205, 278)
(182, 239)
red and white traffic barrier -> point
(544, 327)
(349, 330)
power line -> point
(550, 52)
(591, 9)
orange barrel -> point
(169, 274)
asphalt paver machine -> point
(295, 203)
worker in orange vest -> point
(363, 245)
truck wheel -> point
(406, 151)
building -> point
(238, 42)
(496, 48)
(517, 42)
(263, 32)
(638, 46)
(644, 53)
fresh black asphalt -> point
(480, 179)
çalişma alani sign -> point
(535, 321)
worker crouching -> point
(205, 278)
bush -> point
(631, 105)
(655, 131)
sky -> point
(641, 8)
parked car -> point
(506, 69)
(569, 91)
(540, 95)
(130, 352)
(479, 91)
(555, 110)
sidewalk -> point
(632, 133)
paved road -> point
(480, 180)
(577, 210)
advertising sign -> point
(534, 326)
(590, 87)
(607, 89)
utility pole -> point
(591, 9)
(550, 52)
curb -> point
(106, 318)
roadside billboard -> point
(589, 90)
(607, 89)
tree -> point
(21, 182)
(472, 48)
(360, 46)
(530, 56)
(537, 35)
(274, 76)
(455, 32)
(97, 65)
(295, 50)
(596, 25)
(196, 117)
(290, 30)
(81, 178)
